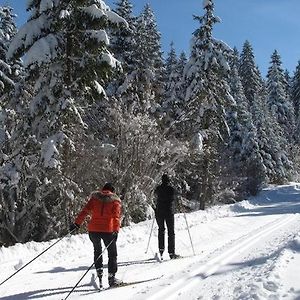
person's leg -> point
(171, 234)
(111, 245)
(161, 233)
(95, 237)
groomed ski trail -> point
(222, 257)
(241, 253)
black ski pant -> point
(161, 220)
(107, 238)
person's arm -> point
(176, 200)
(116, 215)
(84, 212)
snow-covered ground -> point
(249, 250)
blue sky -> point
(267, 24)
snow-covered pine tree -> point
(295, 98)
(278, 98)
(171, 78)
(20, 205)
(8, 74)
(16, 214)
(170, 69)
(122, 37)
(249, 73)
(243, 146)
(139, 89)
(272, 160)
(65, 49)
(173, 100)
(207, 98)
(273, 163)
(8, 29)
(288, 80)
(295, 89)
(147, 80)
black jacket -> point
(165, 199)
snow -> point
(49, 150)
(99, 88)
(247, 250)
(108, 58)
(99, 35)
(27, 34)
(206, 3)
(94, 11)
(42, 51)
(46, 5)
(98, 12)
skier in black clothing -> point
(164, 213)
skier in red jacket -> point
(104, 207)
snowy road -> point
(250, 250)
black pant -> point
(107, 238)
(161, 219)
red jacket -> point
(105, 210)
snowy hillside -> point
(249, 250)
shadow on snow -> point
(36, 294)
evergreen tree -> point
(139, 89)
(171, 62)
(149, 62)
(122, 41)
(249, 73)
(273, 163)
(8, 70)
(295, 90)
(278, 100)
(123, 46)
(173, 105)
(65, 49)
(288, 81)
(207, 98)
(171, 81)
(243, 146)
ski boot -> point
(161, 252)
(174, 256)
(99, 274)
(113, 281)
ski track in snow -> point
(249, 250)
(215, 263)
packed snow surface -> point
(248, 250)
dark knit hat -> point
(165, 178)
(108, 186)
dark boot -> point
(161, 252)
(174, 256)
(99, 274)
(100, 283)
(113, 281)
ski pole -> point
(36, 257)
(150, 235)
(188, 229)
(75, 286)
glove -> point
(74, 227)
(115, 235)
